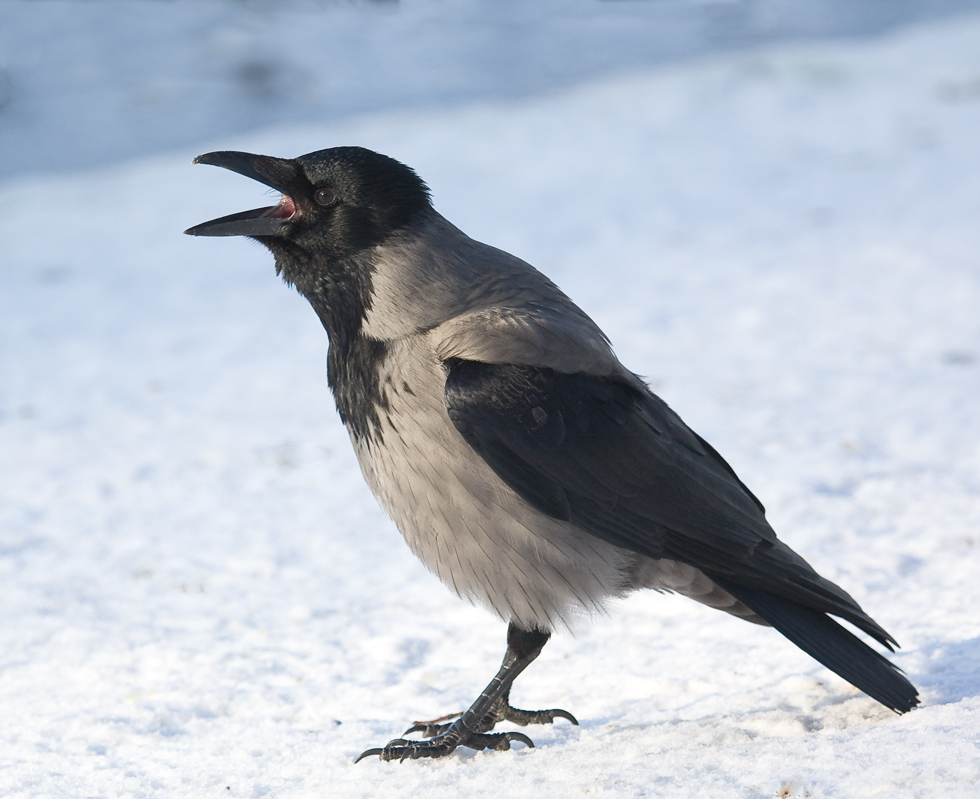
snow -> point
(199, 595)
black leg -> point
(470, 728)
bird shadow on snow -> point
(949, 674)
(951, 671)
(821, 706)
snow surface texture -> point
(201, 598)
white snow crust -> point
(199, 596)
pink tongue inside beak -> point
(284, 210)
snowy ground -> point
(200, 597)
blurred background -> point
(88, 83)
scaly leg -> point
(492, 706)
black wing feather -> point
(616, 461)
(839, 650)
(627, 466)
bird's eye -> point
(325, 196)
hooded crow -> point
(522, 462)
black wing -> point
(616, 461)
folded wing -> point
(615, 460)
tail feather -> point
(839, 650)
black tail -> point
(839, 650)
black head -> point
(335, 204)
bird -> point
(523, 464)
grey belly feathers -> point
(464, 523)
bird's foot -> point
(501, 711)
(471, 729)
(444, 735)
(445, 744)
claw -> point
(519, 736)
(369, 753)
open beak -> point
(276, 173)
